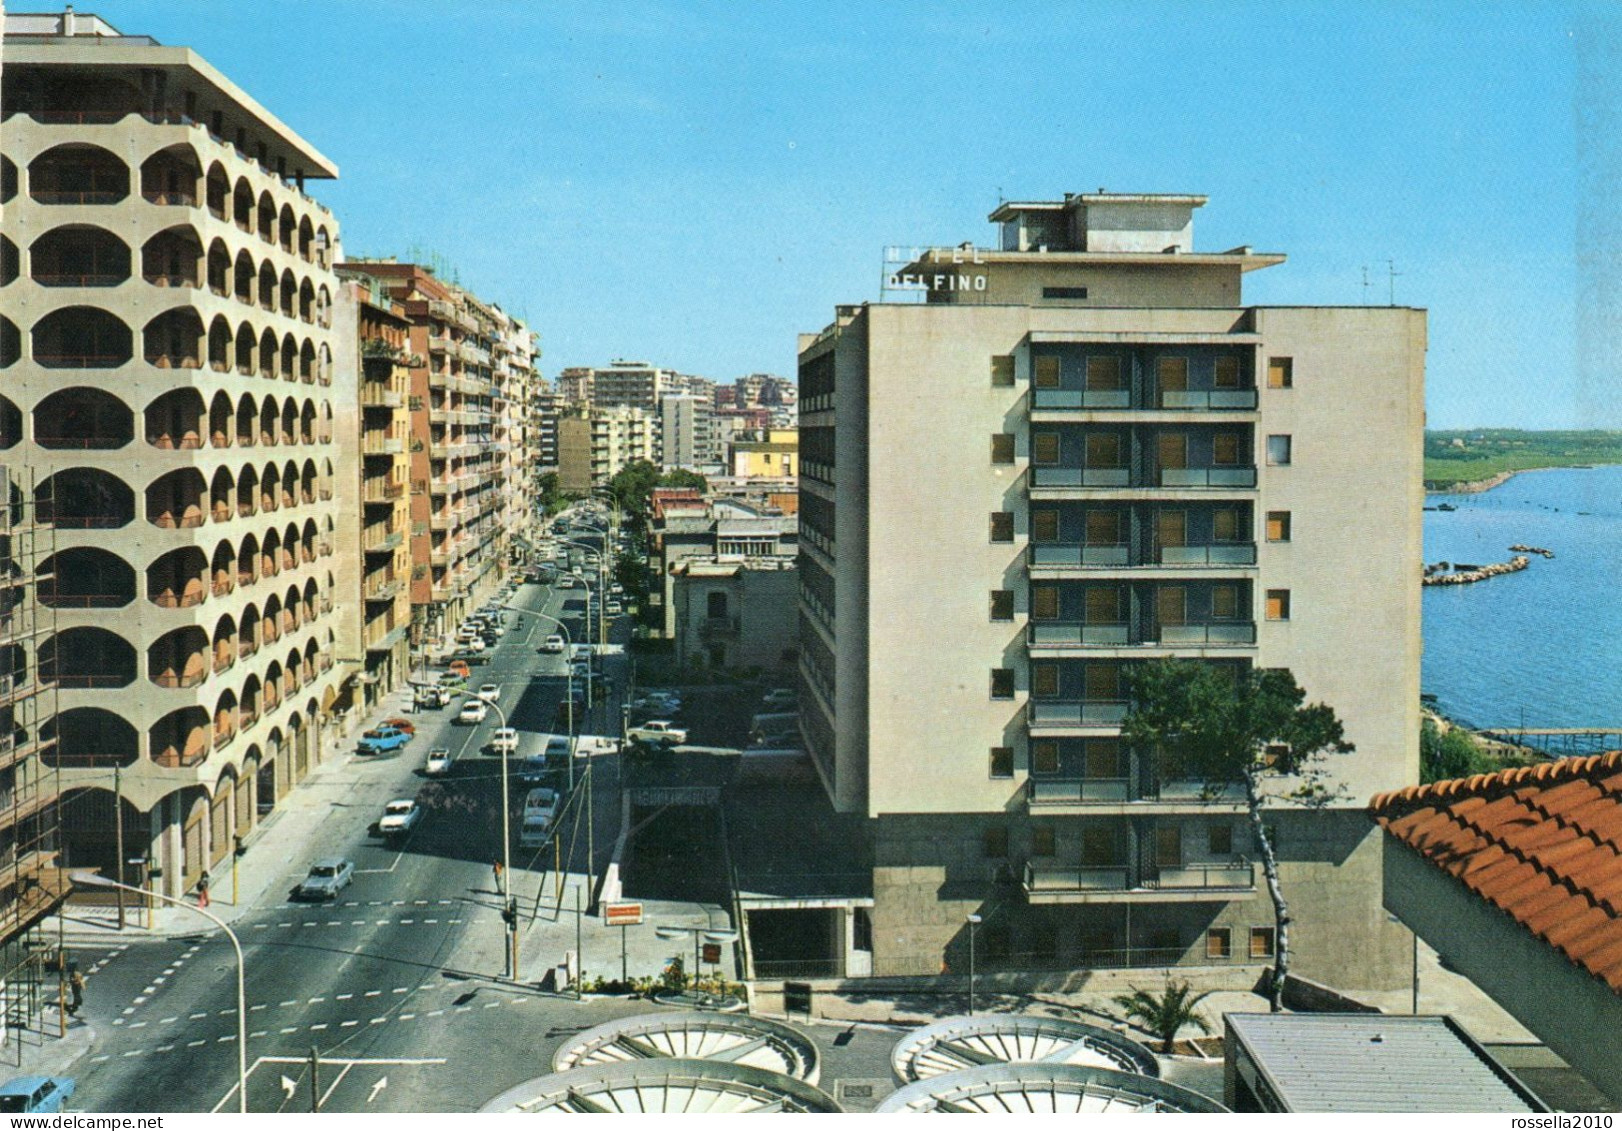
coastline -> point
(1479, 486)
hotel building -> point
(1080, 451)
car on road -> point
(656, 703)
(780, 697)
(439, 762)
(540, 810)
(658, 732)
(382, 740)
(399, 817)
(567, 581)
(473, 711)
(327, 878)
(580, 669)
(614, 608)
(553, 644)
(401, 724)
(504, 741)
(489, 692)
(26, 1094)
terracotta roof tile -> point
(1543, 844)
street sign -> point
(797, 997)
(712, 953)
(622, 914)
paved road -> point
(396, 975)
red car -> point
(400, 724)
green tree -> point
(1220, 727)
(681, 477)
(1165, 1014)
(1454, 754)
(632, 487)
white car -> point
(658, 732)
(439, 763)
(489, 692)
(553, 644)
(473, 711)
(505, 741)
(614, 608)
(567, 581)
(399, 817)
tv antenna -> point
(1391, 278)
(1365, 284)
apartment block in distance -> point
(1081, 450)
(168, 351)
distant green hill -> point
(1480, 453)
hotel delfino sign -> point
(955, 269)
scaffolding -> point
(33, 885)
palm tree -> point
(1166, 1013)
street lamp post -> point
(568, 643)
(507, 912)
(93, 879)
(974, 921)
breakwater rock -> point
(1443, 574)
(1539, 550)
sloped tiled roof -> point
(1543, 844)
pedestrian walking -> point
(202, 889)
(496, 871)
(75, 992)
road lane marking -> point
(256, 1008)
(378, 1020)
(227, 1039)
(99, 1059)
(195, 1044)
(347, 1024)
(256, 1033)
(197, 1016)
(138, 1025)
(430, 920)
(315, 1001)
(289, 1001)
(135, 1052)
(404, 922)
(435, 1012)
(492, 1005)
(344, 997)
(164, 1048)
(168, 1021)
(292, 1030)
(318, 1028)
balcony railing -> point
(1063, 634)
(1058, 880)
(1220, 399)
(1216, 554)
(1080, 398)
(1116, 634)
(1076, 713)
(1052, 878)
(1060, 555)
(1078, 791)
(1081, 477)
(1231, 633)
(1208, 477)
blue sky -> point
(694, 184)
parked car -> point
(439, 762)
(399, 817)
(489, 692)
(504, 741)
(401, 724)
(614, 608)
(327, 878)
(382, 740)
(568, 581)
(658, 732)
(473, 711)
(780, 697)
(553, 644)
(35, 1093)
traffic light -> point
(509, 913)
(237, 848)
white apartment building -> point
(1081, 451)
(621, 435)
(687, 433)
(171, 388)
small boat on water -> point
(1445, 507)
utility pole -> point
(315, 1079)
(591, 834)
(579, 947)
(118, 835)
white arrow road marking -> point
(289, 1086)
(382, 1082)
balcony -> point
(1081, 477)
(382, 542)
(382, 446)
(1114, 884)
(1118, 797)
(719, 626)
(1072, 714)
(1047, 635)
(1065, 556)
(1218, 400)
(1171, 400)
(1058, 794)
(1219, 477)
(382, 491)
(385, 590)
(1042, 399)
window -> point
(1226, 448)
(1064, 292)
(1002, 526)
(1103, 682)
(1261, 942)
(1274, 753)
(1278, 451)
(1047, 373)
(1045, 680)
(715, 605)
(1002, 683)
(1002, 371)
(1172, 373)
(1225, 524)
(1045, 756)
(1280, 373)
(1219, 839)
(1104, 605)
(1103, 528)
(1097, 846)
(1043, 842)
(1044, 602)
(1104, 450)
(1168, 846)
(1278, 526)
(1226, 373)
(1278, 604)
(1002, 761)
(1103, 759)
(1002, 604)
(1103, 374)
(994, 844)
(1002, 448)
(1044, 526)
(1045, 448)
(1224, 602)
(1218, 943)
